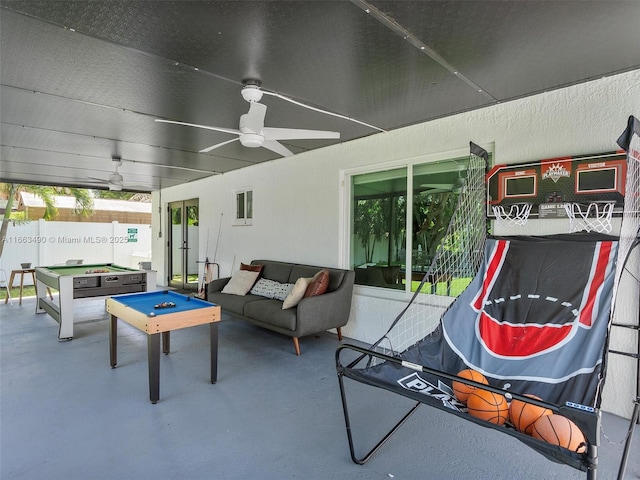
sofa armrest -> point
(329, 310)
(217, 284)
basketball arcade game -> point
(540, 341)
(588, 190)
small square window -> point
(244, 207)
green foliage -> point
(84, 202)
(431, 216)
(369, 223)
(121, 195)
(27, 291)
(191, 212)
(377, 218)
(193, 215)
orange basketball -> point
(523, 415)
(561, 431)
(461, 390)
(488, 406)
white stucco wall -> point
(298, 201)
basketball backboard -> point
(549, 184)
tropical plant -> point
(122, 195)
(432, 213)
(191, 213)
(370, 223)
(84, 202)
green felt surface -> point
(82, 269)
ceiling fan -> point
(252, 133)
(116, 181)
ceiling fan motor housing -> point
(251, 93)
(251, 140)
(115, 178)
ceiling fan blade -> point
(100, 180)
(133, 186)
(254, 119)
(271, 133)
(114, 186)
(207, 127)
(212, 147)
(277, 147)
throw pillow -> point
(251, 268)
(319, 283)
(282, 290)
(241, 282)
(265, 288)
(297, 293)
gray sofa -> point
(312, 314)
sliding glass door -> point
(183, 244)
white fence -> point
(49, 243)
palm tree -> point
(84, 202)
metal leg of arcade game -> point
(387, 436)
(635, 416)
(627, 446)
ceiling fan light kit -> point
(251, 140)
(115, 178)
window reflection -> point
(380, 211)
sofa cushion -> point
(282, 291)
(241, 282)
(278, 271)
(232, 303)
(319, 284)
(336, 275)
(297, 293)
(270, 312)
(251, 268)
(265, 288)
(306, 271)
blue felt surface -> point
(145, 302)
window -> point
(378, 240)
(387, 221)
(244, 207)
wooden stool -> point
(22, 273)
(5, 281)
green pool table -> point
(84, 281)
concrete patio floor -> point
(65, 414)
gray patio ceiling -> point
(82, 81)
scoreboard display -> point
(548, 184)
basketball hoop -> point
(518, 214)
(594, 217)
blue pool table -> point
(157, 314)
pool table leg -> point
(113, 341)
(213, 332)
(166, 342)
(65, 299)
(153, 351)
